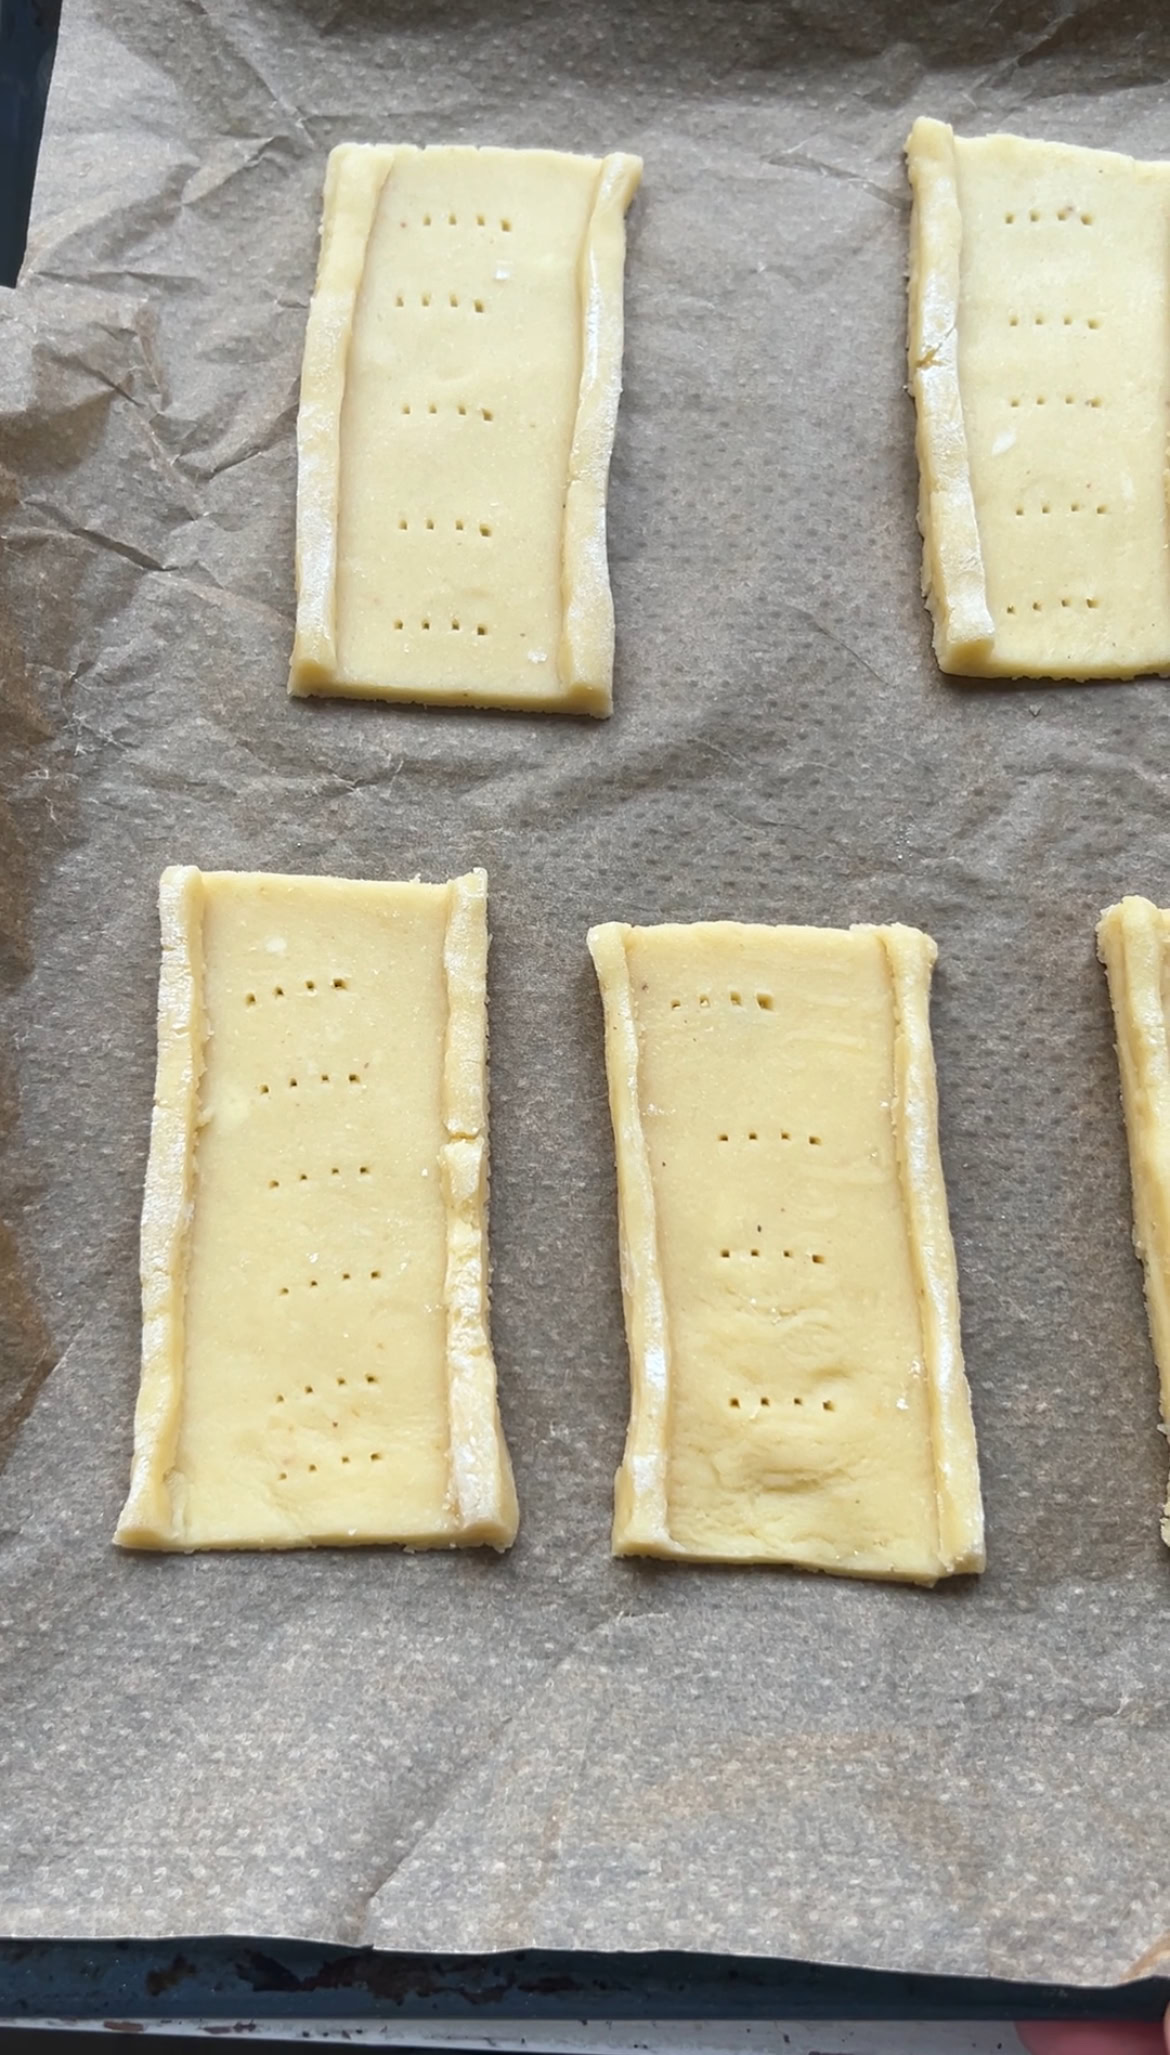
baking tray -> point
(270, 1979)
(28, 38)
(1050, 70)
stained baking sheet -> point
(553, 1749)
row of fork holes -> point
(1075, 506)
(453, 300)
(341, 1382)
(451, 220)
(827, 1405)
(375, 1457)
(764, 1001)
(1070, 400)
(325, 1077)
(1037, 606)
(1065, 213)
(455, 626)
(430, 524)
(284, 1291)
(461, 408)
(788, 1254)
(302, 1176)
(1066, 320)
(310, 985)
(814, 1141)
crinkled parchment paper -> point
(453, 1753)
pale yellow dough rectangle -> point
(316, 1362)
(459, 397)
(1040, 369)
(798, 1391)
(1132, 941)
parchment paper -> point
(453, 1753)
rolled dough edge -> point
(911, 956)
(354, 178)
(482, 1484)
(148, 1516)
(585, 655)
(1131, 943)
(641, 1524)
(954, 582)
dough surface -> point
(1040, 369)
(316, 1364)
(1132, 940)
(798, 1392)
(458, 402)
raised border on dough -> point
(481, 1471)
(641, 1504)
(641, 1523)
(1131, 943)
(354, 179)
(483, 1496)
(953, 579)
(911, 956)
(585, 656)
(167, 1207)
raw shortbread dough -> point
(316, 1365)
(1040, 368)
(1132, 941)
(798, 1392)
(458, 403)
